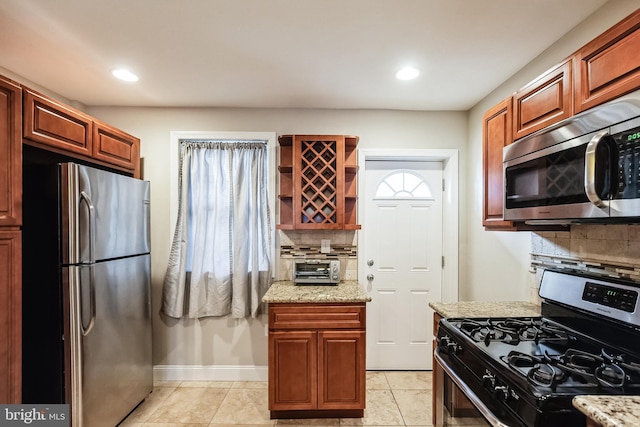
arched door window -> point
(403, 184)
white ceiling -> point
(280, 53)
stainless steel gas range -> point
(525, 371)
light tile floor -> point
(394, 398)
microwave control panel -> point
(628, 144)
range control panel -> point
(622, 299)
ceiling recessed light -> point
(407, 73)
(125, 75)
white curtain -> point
(220, 257)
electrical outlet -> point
(266, 330)
(325, 246)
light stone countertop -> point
(343, 292)
(486, 309)
(610, 411)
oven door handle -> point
(590, 169)
(495, 422)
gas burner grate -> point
(512, 330)
(573, 368)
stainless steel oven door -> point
(489, 411)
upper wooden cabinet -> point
(318, 182)
(10, 153)
(57, 127)
(496, 134)
(114, 146)
(543, 102)
(608, 66)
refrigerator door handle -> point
(86, 330)
(92, 225)
(92, 259)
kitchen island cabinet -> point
(317, 361)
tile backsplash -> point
(307, 244)
(611, 250)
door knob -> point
(369, 262)
(370, 277)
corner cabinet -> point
(318, 186)
(317, 360)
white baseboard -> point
(209, 373)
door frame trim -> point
(450, 217)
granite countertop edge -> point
(610, 411)
(486, 309)
(342, 293)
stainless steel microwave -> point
(584, 169)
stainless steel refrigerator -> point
(86, 291)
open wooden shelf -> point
(318, 182)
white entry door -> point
(402, 261)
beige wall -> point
(225, 341)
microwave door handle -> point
(590, 169)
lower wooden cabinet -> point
(293, 370)
(10, 316)
(316, 361)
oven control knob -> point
(449, 345)
(489, 380)
(502, 392)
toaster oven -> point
(316, 272)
